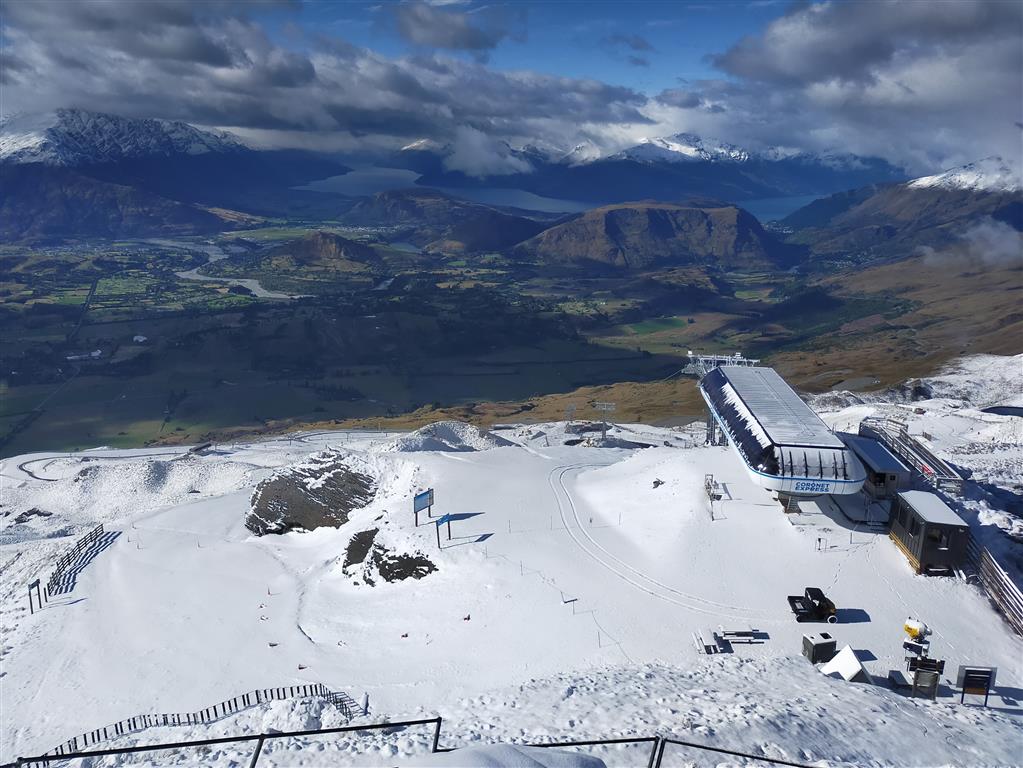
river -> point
(215, 253)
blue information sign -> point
(423, 500)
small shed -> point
(928, 532)
(886, 474)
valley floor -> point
(564, 609)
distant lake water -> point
(774, 208)
(373, 179)
(369, 181)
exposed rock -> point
(400, 566)
(318, 492)
(359, 547)
(24, 517)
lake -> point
(373, 179)
(775, 208)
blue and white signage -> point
(423, 500)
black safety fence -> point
(204, 716)
(639, 751)
(70, 558)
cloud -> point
(211, 64)
(925, 85)
(477, 154)
(429, 25)
(988, 243)
(632, 42)
(628, 48)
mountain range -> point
(670, 169)
(76, 173)
(73, 173)
(894, 220)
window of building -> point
(900, 515)
(914, 527)
(939, 536)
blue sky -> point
(572, 39)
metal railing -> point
(893, 435)
(1002, 590)
(658, 745)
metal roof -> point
(931, 509)
(786, 419)
(873, 454)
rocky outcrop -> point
(319, 492)
(647, 235)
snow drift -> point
(446, 436)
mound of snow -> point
(105, 490)
(509, 756)
(446, 436)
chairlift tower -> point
(700, 366)
(605, 409)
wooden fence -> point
(66, 560)
(1000, 588)
(342, 701)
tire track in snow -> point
(653, 587)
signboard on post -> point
(423, 500)
(977, 681)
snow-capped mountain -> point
(991, 174)
(75, 137)
(681, 148)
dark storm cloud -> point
(677, 97)
(434, 27)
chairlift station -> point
(783, 444)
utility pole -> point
(605, 409)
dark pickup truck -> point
(812, 605)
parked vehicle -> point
(813, 605)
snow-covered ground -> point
(563, 610)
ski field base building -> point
(929, 533)
(784, 445)
(886, 474)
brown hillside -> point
(645, 235)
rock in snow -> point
(320, 491)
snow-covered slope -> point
(992, 174)
(683, 147)
(562, 607)
(75, 137)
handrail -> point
(205, 716)
(47, 759)
(1000, 588)
(656, 756)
